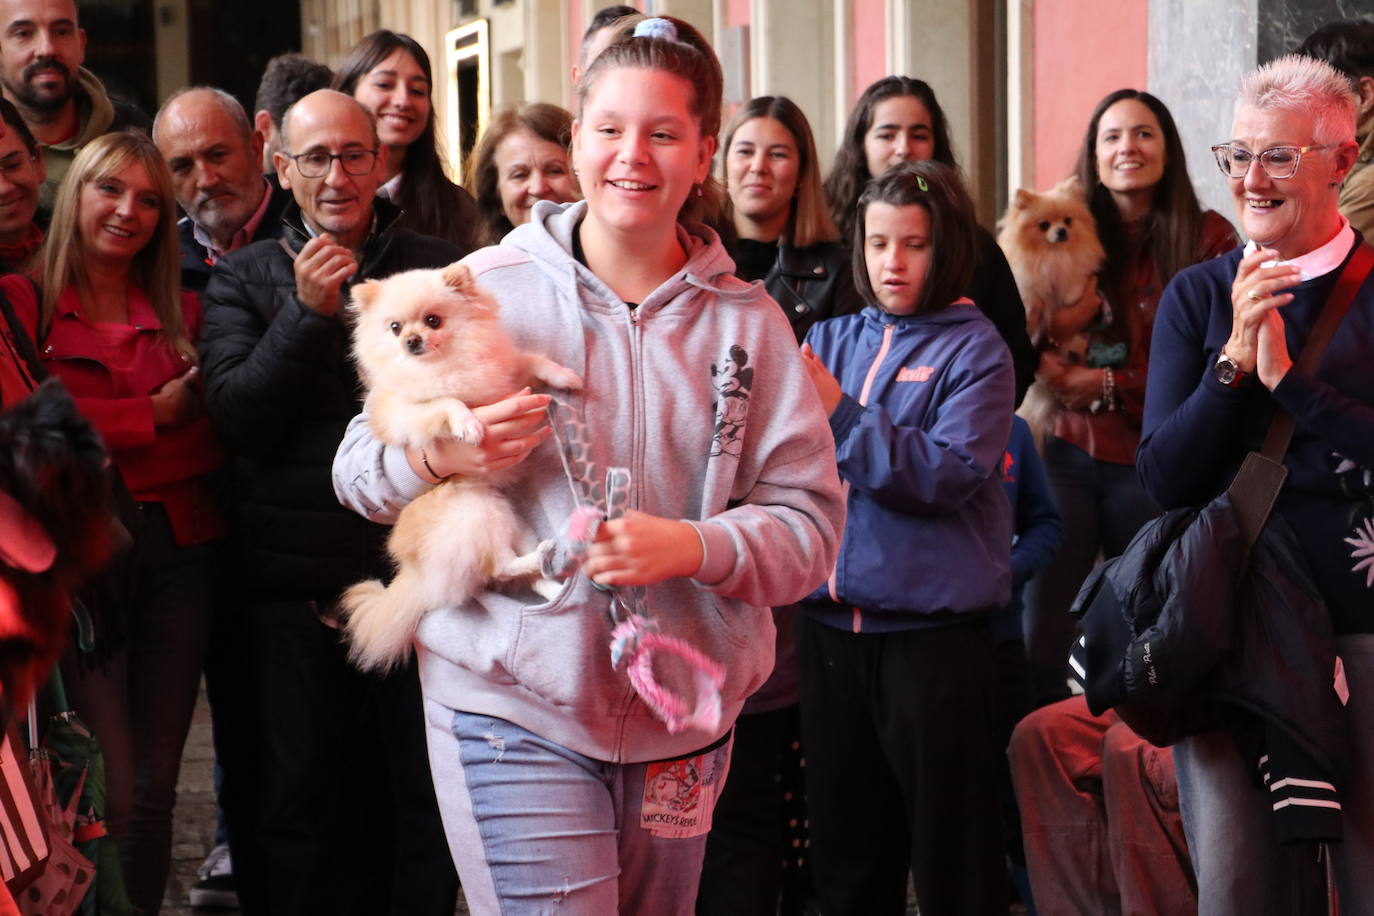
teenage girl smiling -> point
(556, 781)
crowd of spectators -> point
(848, 528)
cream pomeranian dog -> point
(430, 346)
(1051, 243)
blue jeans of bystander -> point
(1229, 824)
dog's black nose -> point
(415, 344)
(1061, 234)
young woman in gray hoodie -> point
(558, 785)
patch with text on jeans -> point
(679, 795)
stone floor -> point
(193, 828)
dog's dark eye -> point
(396, 328)
(1044, 225)
(1068, 221)
(433, 320)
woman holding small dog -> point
(119, 332)
(1099, 805)
(1133, 168)
(555, 780)
(896, 120)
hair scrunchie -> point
(656, 28)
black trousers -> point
(900, 769)
(757, 862)
(327, 791)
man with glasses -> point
(1221, 368)
(21, 176)
(280, 389)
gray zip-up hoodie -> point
(701, 393)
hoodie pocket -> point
(482, 636)
(561, 653)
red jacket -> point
(112, 371)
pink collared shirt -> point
(243, 236)
(1320, 261)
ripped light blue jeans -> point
(536, 828)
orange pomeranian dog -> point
(430, 346)
(1051, 243)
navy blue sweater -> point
(1197, 431)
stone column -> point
(951, 45)
(1200, 52)
(792, 53)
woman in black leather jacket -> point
(784, 234)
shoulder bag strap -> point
(1357, 268)
(26, 347)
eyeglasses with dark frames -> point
(1278, 162)
(317, 163)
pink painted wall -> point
(1082, 51)
(868, 62)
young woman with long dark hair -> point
(898, 119)
(390, 74)
(1135, 177)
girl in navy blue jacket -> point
(895, 650)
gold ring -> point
(1255, 296)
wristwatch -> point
(1228, 371)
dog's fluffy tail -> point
(381, 621)
(447, 544)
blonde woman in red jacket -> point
(116, 328)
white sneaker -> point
(215, 887)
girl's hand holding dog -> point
(1255, 294)
(1076, 387)
(514, 426)
(642, 549)
(1066, 322)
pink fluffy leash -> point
(635, 638)
(633, 644)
